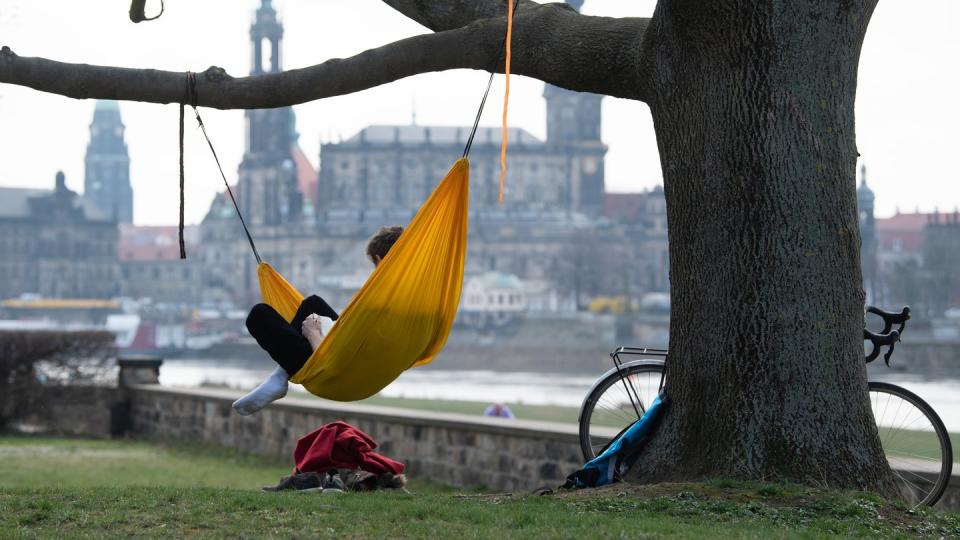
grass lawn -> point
(77, 488)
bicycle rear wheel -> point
(608, 408)
(915, 442)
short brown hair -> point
(381, 242)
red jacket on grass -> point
(339, 445)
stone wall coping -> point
(140, 360)
(566, 433)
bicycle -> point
(914, 438)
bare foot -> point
(312, 331)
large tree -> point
(753, 105)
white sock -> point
(270, 390)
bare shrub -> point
(30, 359)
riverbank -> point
(100, 497)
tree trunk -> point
(754, 112)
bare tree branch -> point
(551, 43)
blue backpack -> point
(617, 458)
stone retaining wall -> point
(951, 497)
(85, 411)
(459, 450)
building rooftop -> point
(909, 222)
(623, 207)
(499, 280)
(15, 203)
(627, 207)
(155, 243)
(306, 176)
(905, 232)
(413, 135)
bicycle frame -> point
(641, 352)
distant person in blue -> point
(498, 410)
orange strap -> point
(506, 100)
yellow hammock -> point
(402, 315)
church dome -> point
(106, 105)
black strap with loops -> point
(192, 98)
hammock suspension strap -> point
(189, 96)
(192, 98)
(476, 121)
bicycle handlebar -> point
(891, 318)
(888, 336)
(879, 340)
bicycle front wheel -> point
(915, 442)
(617, 400)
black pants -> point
(284, 341)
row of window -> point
(498, 299)
(157, 273)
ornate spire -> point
(266, 32)
(864, 193)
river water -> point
(511, 387)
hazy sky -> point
(908, 106)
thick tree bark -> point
(754, 110)
(439, 15)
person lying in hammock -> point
(291, 344)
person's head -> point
(381, 242)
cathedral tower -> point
(574, 129)
(107, 164)
(268, 176)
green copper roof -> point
(107, 105)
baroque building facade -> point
(151, 267)
(56, 244)
(313, 225)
